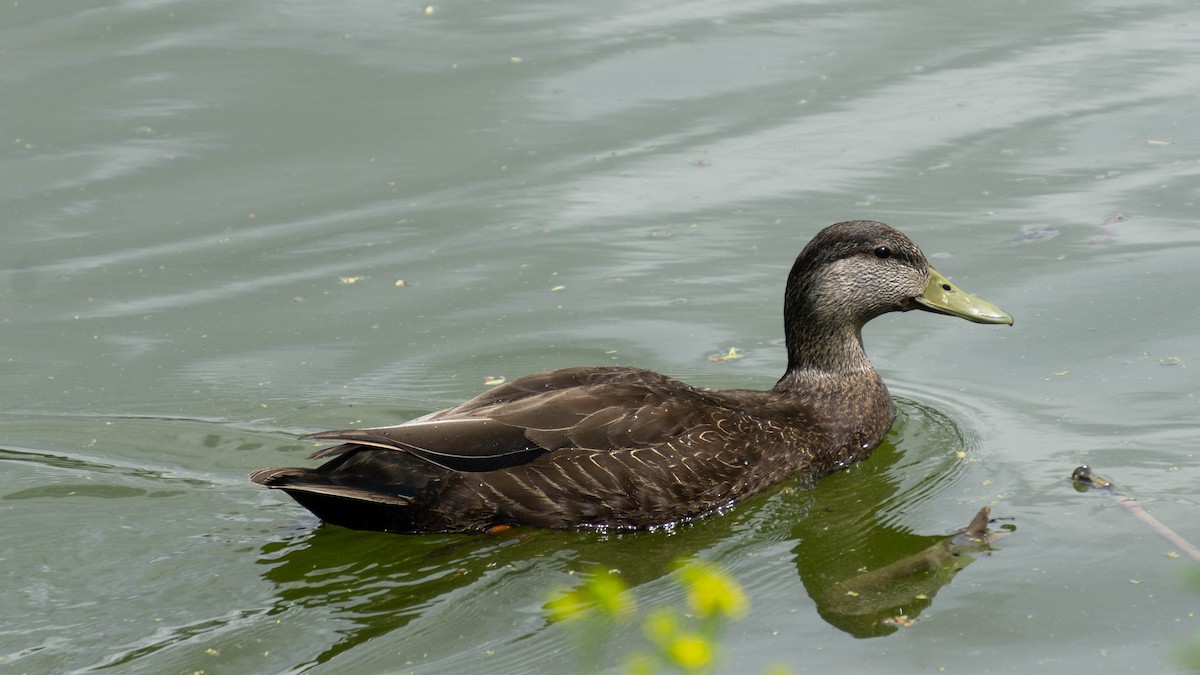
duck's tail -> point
(338, 494)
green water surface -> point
(207, 208)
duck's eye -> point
(883, 252)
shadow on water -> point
(866, 572)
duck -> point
(622, 448)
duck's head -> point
(854, 271)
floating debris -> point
(1085, 478)
(493, 380)
(349, 280)
(730, 355)
(901, 621)
(1108, 229)
(1035, 233)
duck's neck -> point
(818, 352)
(830, 374)
(822, 330)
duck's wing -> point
(597, 409)
(462, 444)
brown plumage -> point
(630, 448)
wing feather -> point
(596, 409)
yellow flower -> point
(565, 605)
(691, 651)
(662, 626)
(713, 592)
(605, 592)
(611, 595)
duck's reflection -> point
(877, 601)
(867, 574)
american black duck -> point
(619, 447)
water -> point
(207, 207)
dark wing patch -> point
(465, 444)
(597, 409)
(606, 410)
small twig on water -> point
(1084, 476)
